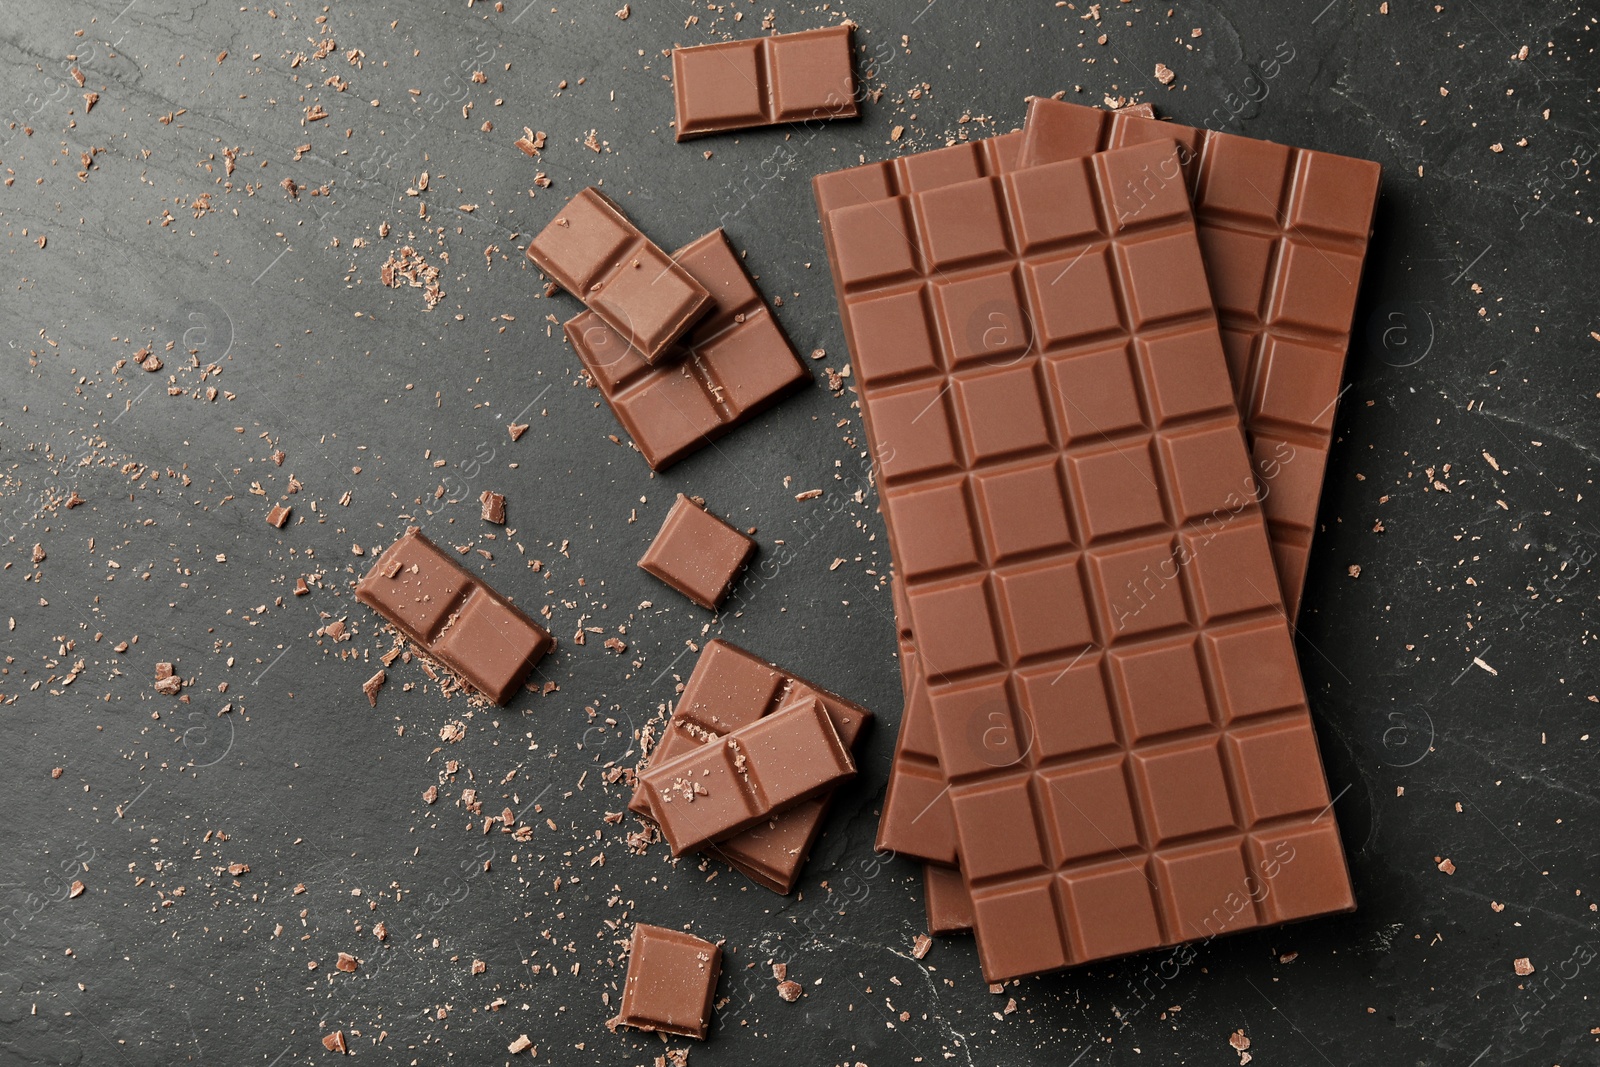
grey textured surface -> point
(1457, 666)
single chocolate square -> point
(672, 977)
(697, 553)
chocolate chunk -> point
(278, 516)
(373, 684)
(787, 77)
(672, 978)
(729, 688)
(1073, 512)
(593, 252)
(697, 553)
(453, 616)
(946, 900)
(717, 789)
(734, 364)
(494, 507)
(916, 817)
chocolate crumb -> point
(372, 685)
(334, 1042)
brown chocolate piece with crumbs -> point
(453, 616)
(595, 253)
(672, 978)
(731, 366)
(718, 789)
(697, 553)
(730, 688)
(788, 77)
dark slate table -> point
(225, 844)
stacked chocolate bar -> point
(682, 347)
(1098, 362)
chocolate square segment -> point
(454, 617)
(592, 251)
(672, 979)
(733, 364)
(719, 86)
(697, 553)
(788, 77)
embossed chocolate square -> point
(672, 977)
(697, 554)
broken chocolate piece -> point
(453, 616)
(718, 789)
(672, 978)
(734, 364)
(697, 553)
(787, 77)
(595, 253)
(946, 900)
(730, 688)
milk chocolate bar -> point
(1289, 452)
(1091, 589)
